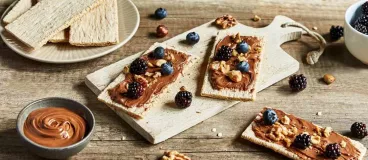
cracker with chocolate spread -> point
(134, 91)
(297, 138)
(233, 67)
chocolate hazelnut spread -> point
(153, 84)
(54, 127)
(219, 80)
(349, 152)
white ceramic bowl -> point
(356, 42)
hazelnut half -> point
(162, 31)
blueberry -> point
(167, 69)
(243, 66)
(160, 13)
(242, 47)
(193, 38)
(159, 53)
(269, 117)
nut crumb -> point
(285, 120)
(123, 138)
(315, 139)
(235, 75)
(314, 28)
(256, 18)
(174, 155)
(160, 62)
(214, 130)
(343, 144)
(327, 131)
(219, 134)
(126, 70)
(319, 113)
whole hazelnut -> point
(162, 31)
(328, 78)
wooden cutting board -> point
(165, 120)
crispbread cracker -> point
(229, 94)
(20, 8)
(249, 135)
(61, 37)
(47, 18)
(101, 24)
(138, 112)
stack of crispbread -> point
(81, 23)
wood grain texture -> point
(341, 103)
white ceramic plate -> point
(65, 53)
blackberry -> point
(362, 20)
(365, 8)
(302, 141)
(298, 82)
(361, 28)
(332, 151)
(139, 66)
(359, 130)
(336, 32)
(224, 53)
(183, 98)
(135, 90)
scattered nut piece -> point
(215, 65)
(241, 57)
(285, 120)
(219, 134)
(315, 139)
(343, 144)
(329, 79)
(126, 70)
(226, 21)
(288, 142)
(327, 131)
(123, 138)
(258, 49)
(235, 53)
(162, 31)
(256, 18)
(319, 113)
(235, 75)
(160, 62)
(149, 74)
(214, 130)
(237, 38)
(314, 28)
(224, 67)
(157, 74)
(174, 155)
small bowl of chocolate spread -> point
(55, 128)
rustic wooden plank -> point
(342, 103)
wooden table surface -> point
(342, 103)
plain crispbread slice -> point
(97, 28)
(229, 94)
(138, 112)
(20, 8)
(249, 135)
(47, 18)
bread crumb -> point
(214, 130)
(219, 135)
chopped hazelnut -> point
(285, 120)
(149, 64)
(329, 79)
(224, 67)
(288, 142)
(174, 155)
(237, 38)
(162, 31)
(327, 131)
(235, 53)
(343, 144)
(256, 18)
(215, 65)
(235, 75)
(143, 81)
(242, 58)
(149, 74)
(226, 21)
(157, 74)
(126, 70)
(315, 139)
(160, 62)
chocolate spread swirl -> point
(155, 85)
(349, 152)
(54, 127)
(220, 81)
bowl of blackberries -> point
(356, 30)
